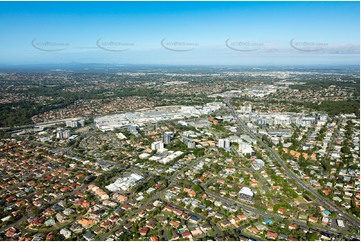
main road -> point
(264, 214)
(49, 123)
(325, 202)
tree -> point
(346, 150)
(197, 188)
(197, 210)
(207, 202)
(312, 237)
(198, 152)
(205, 213)
(35, 211)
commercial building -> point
(140, 118)
(245, 148)
(63, 134)
(167, 137)
(125, 183)
(224, 143)
(165, 156)
(75, 123)
(157, 145)
(190, 143)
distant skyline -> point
(181, 33)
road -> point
(323, 201)
(28, 215)
(190, 212)
(265, 214)
(260, 178)
(334, 136)
(157, 196)
(40, 124)
(130, 215)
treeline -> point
(318, 84)
(20, 113)
(336, 107)
(130, 91)
(106, 178)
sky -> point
(180, 33)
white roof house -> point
(246, 191)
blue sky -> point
(209, 33)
